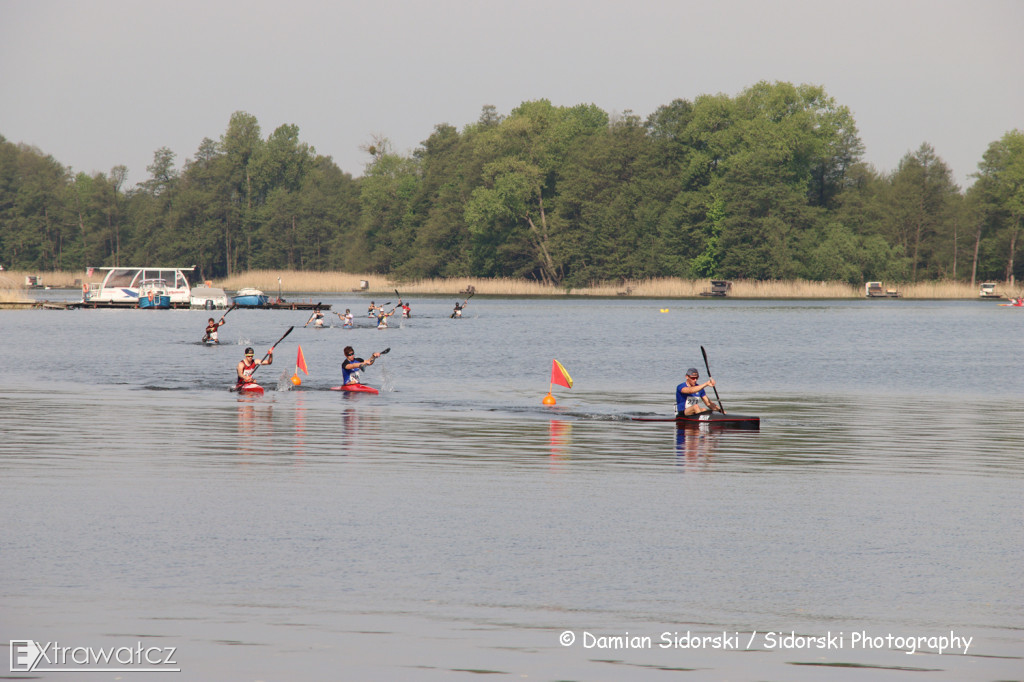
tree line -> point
(767, 184)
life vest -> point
(247, 369)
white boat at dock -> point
(209, 298)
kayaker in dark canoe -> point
(691, 397)
(351, 366)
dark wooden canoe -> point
(712, 419)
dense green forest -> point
(769, 184)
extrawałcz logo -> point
(51, 657)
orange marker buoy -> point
(296, 380)
(549, 399)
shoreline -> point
(291, 283)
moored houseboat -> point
(121, 286)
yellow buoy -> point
(549, 399)
(296, 380)
(664, 310)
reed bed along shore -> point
(290, 282)
(13, 296)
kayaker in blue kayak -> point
(690, 395)
(351, 366)
(247, 366)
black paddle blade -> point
(385, 351)
(282, 337)
(708, 368)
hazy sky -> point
(98, 83)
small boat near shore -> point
(153, 295)
(250, 297)
(711, 419)
(208, 298)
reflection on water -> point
(694, 446)
(560, 433)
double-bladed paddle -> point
(382, 353)
(705, 354)
(313, 315)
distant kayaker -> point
(458, 308)
(406, 310)
(372, 310)
(690, 395)
(346, 319)
(351, 366)
(248, 365)
(317, 318)
(382, 318)
(211, 329)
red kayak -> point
(713, 419)
(356, 388)
(250, 389)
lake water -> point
(454, 525)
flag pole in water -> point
(300, 363)
(558, 376)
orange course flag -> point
(300, 363)
(559, 375)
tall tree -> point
(513, 215)
(1001, 188)
(923, 207)
(387, 192)
(241, 143)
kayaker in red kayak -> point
(351, 366)
(690, 395)
(247, 366)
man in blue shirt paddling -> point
(690, 395)
(351, 366)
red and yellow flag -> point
(559, 375)
(300, 363)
